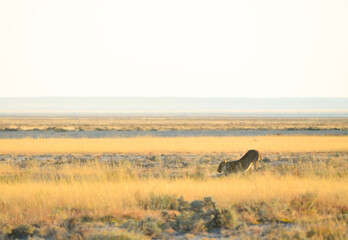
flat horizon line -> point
(179, 97)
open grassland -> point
(32, 202)
(168, 187)
(170, 123)
(158, 145)
(109, 196)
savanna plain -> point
(168, 187)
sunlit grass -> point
(177, 144)
(40, 193)
(36, 201)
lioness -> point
(247, 162)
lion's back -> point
(252, 154)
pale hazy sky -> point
(293, 48)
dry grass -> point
(177, 144)
(74, 196)
(34, 191)
(47, 201)
(298, 182)
(169, 123)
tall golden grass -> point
(159, 145)
(47, 201)
(33, 191)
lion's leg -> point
(250, 167)
(257, 161)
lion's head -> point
(222, 167)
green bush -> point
(148, 226)
(116, 236)
(22, 231)
(201, 216)
(158, 202)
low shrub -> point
(22, 231)
(117, 236)
(201, 216)
(148, 226)
(158, 202)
